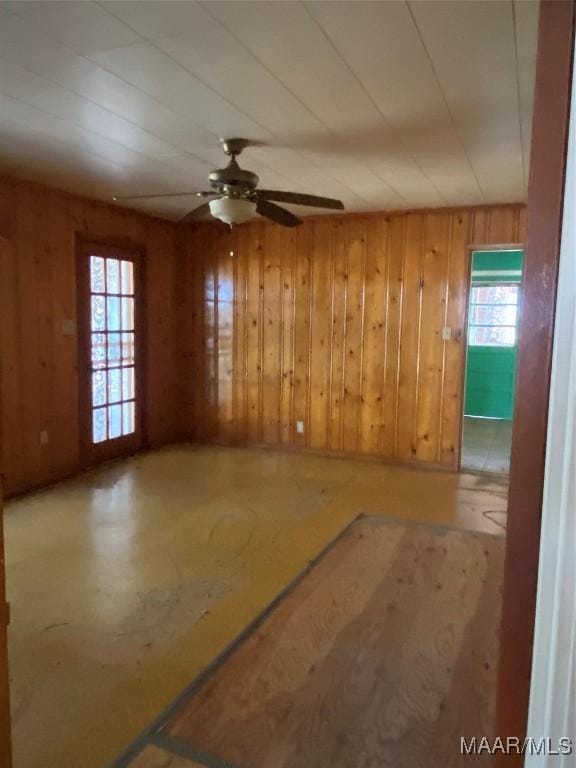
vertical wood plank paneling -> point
(410, 336)
(210, 280)
(455, 351)
(39, 345)
(63, 421)
(321, 321)
(374, 336)
(394, 301)
(353, 332)
(225, 248)
(302, 324)
(502, 225)
(13, 464)
(197, 358)
(254, 334)
(271, 334)
(27, 259)
(431, 351)
(240, 293)
(339, 325)
(287, 339)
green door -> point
(490, 382)
(492, 334)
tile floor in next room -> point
(486, 445)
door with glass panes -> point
(110, 339)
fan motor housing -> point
(233, 176)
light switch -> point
(44, 437)
(68, 328)
(446, 333)
(300, 427)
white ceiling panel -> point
(526, 25)
(385, 104)
(154, 72)
(472, 49)
(82, 26)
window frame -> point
(472, 304)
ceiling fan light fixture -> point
(232, 210)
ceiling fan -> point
(237, 197)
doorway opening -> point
(494, 305)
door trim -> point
(89, 453)
(541, 259)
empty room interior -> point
(269, 338)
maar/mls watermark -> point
(513, 745)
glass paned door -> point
(111, 390)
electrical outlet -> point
(446, 333)
(300, 427)
(44, 437)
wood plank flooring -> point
(382, 655)
(154, 757)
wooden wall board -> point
(338, 324)
(38, 291)
(322, 325)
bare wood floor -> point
(127, 581)
(382, 656)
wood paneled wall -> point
(337, 324)
(38, 294)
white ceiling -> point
(386, 104)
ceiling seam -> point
(73, 122)
(80, 127)
(264, 66)
(151, 41)
(518, 96)
(349, 67)
(437, 78)
(63, 142)
(73, 51)
(80, 55)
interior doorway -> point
(494, 305)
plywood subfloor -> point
(384, 654)
(127, 581)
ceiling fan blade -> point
(277, 214)
(195, 214)
(298, 199)
(164, 194)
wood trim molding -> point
(544, 224)
(5, 734)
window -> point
(493, 315)
(112, 348)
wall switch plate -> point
(300, 427)
(44, 437)
(68, 328)
(446, 333)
